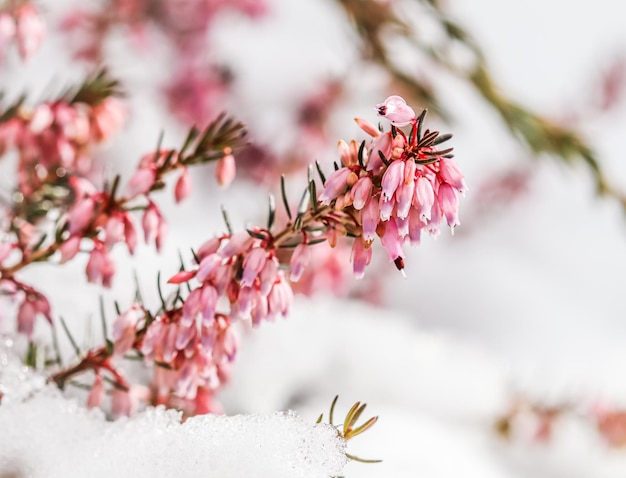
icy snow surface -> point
(49, 436)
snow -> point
(47, 435)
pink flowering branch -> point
(391, 187)
(103, 217)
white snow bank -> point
(44, 434)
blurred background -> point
(502, 352)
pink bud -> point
(335, 184)
(80, 215)
(26, 317)
(124, 329)
(267, 276)
(237, 243)
(114, 231)
(368, 127)
(100, 267)
(130, 233)
(299, 260)
(208, 300)
(207, 266)
(96, 394)
(380, 145)
(181, 277)
(396, 110)
(361, 192)
(253, 264)
(7, 30)
(392, 241)
(369, 219)
(415, 226)
(361, 257)
(30, 31)
(108, 117)
(393, 177)
(450, 173)
(183, 186)
(404, 198)
(122, 404)
(42, 119)
(69, 248)
(424, 198)
(192, 307)
(209, 247)
(141, 182)
(225, 170)
(449, 204)
(280, 298)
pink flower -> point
(397, 111)
(30, 31)
(225, 170)
(361, 257)
(299, 261)
(96, 394)
(154, 225)
(7, 31)
(280, 297)
(335, 184)
(392, 241)
(70, 248)
(449, 204)
(108, 116)
(34, 303)
(253, 263)
(183, 186)
(81, 215)
(142, 181)
(125, 328)
(100, 267)
(42, 119)
(361, 192)
(123, 402)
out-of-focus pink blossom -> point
(154, 225)
(69, 248)
(80, 215)
(97, 392)
(142, 181)
(299, 261)
(225, 170)
(30, 30)
(100, 267)
(183, 186)
(123, 402)
(124, 329)
(107, 118)
(34, 303)
(361, 257)
(7, 31)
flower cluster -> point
(397, 185)
(392, 188)
(244, 269)
(56, 138)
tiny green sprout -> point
(349, 428)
